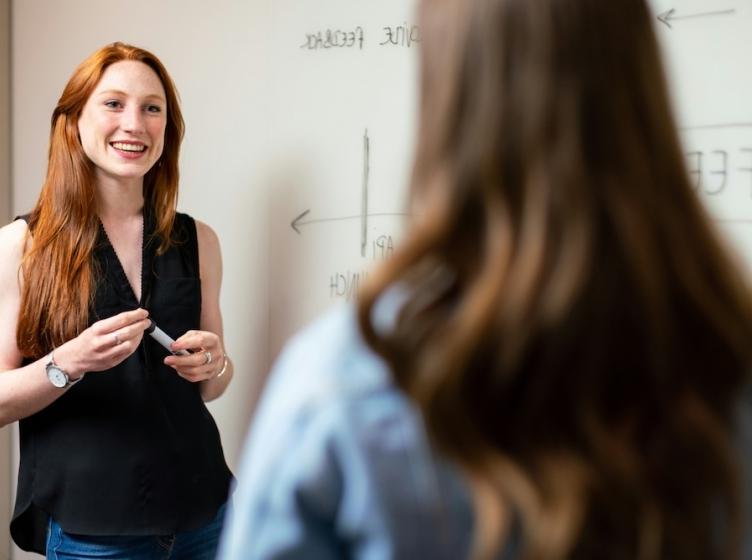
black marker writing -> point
(714, 172)
(695, 169)
(382, 247)
(401, 36)
(334, 38)
(720, 171)
(345, 284)
(747, 152)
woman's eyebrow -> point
(119, 92)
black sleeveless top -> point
(133, 450)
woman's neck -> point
(120, 199)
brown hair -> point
(574, 333)
(58, 271)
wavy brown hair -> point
(574, 333)
(58, 270)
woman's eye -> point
(154, 108)
(112, 104)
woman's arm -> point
(23, 391)
(27, 390)
(210, 338)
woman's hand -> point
(206, 360)
(104, 344)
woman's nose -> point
(132, 119)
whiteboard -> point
(707, 46)
(330, 103)
(340, 146)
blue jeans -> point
(200, 544)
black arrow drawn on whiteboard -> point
(298, 222)
(670, 15)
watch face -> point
(56, 376)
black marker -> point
(164, 339)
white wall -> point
(5, 445)
(5, 114)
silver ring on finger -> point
(117, 339)
(208, 356)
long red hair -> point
(58, 270)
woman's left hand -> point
(205, 361)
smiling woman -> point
(122, 131)
(129, 461)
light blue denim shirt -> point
(337, 464)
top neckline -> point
(121, 282)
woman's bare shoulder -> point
(12, 240)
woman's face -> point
(123, 123)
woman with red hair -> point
(119, 454)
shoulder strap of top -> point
(186, 236)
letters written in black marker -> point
(401, 35)
(404, 35)
(334, 38)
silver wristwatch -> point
(57, 376)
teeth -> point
(128, 147)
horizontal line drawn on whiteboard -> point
(733, 222)
(670, 15)
(365, 212)
(717, 126)
(298, 221)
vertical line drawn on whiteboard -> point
(746, 169)
(364, 194)
(303, 219)
(670, 15)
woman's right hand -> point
(104, 344)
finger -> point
(119, 336)
(133, 330)
(193, 364)
(190, 339)
(129, 346)
(195, 360)
(191, 376)
(193, 340)
(119, 321)
(196, 371)
(113, 355)
(122, 351)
